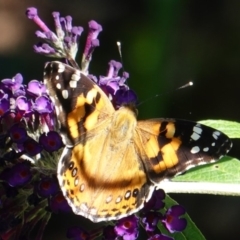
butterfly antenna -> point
(119, 46)
(189, 84)
(186, 85)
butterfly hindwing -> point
(103, 177)
(101, 186)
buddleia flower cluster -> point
(30, 147)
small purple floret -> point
(18, 175)
(156, 201)
(51, 141)
(44, 49)
(94, 30)
(125, 97)
(150, 220)
(160, 237)
(43, 105)
(14, 83)
(36, 88)
(23, 104)
(32, 14)
(77, 233)
(18, 134)
(127, 227)
(172, 220)
(47, 187)
(4, 106)
(32, 147)
(58, 203)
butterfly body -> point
(112, 163)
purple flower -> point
(160, 237)
(18, 134)
(4, 106)
(46, 187)
(63, 43)
(91, 43)
(125, 97)
(43, 105)
(58, 203)
(18, 175)
(172, 220)
(32, 14)
(113, 80)
(156, 201)
(36, 88)
(77, 233)
(127, 227)
(150, 220)
(14, 83)
(32, 147)
(51, 141)
(114, 86)
(23, 104)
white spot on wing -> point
(216, 134)
(65, 93)
(57, 110)
(82, 187)
(189, 167)
(119, 199)
(197, 129)
(76, 76)
(206, 149)
(73, 84)
(195, 136)
(74, 172)
(128, 194)
(109, 199)
(61, 68)
(58, 86)
(76, 181)
(195, 149)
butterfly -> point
(111, 162)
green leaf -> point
(232, 129)
(222, 178)
(226, 170)
(191, 232)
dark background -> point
(165, 44)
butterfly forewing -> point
(111, 163)
(173, 146)
(79, 103)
